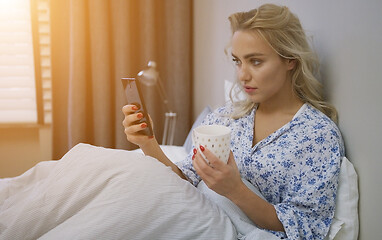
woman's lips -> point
(249, 89)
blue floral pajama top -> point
(296, 168)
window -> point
(25, 66)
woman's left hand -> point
(222, 178)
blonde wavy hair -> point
(283, 31)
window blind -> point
(17, 62)
(17, 81)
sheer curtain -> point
(97, 42)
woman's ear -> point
(291, 63)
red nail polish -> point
(193, 157)
(151, 137)
(143, 125)
(139, 115)
(135, 107)
(194, 151)
(201, 148)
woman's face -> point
(263, 74)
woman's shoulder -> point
(317, 118)
(225, 110)
(316, 122)
(220, 115)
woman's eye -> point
(236, 61)
(255, 62)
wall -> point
(347, 34)
(22, 148)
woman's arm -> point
(225, 180)
(148, 144)
(257, 209)
(152, 148)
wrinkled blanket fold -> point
(100, 193)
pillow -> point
(345, 224)
(188, 143)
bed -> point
(100, 193)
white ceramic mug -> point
(216, 138)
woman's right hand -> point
(132, 126)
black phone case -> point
(134, 96)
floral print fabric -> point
(295, 168)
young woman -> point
(284, 138)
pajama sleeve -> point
(188, 169)
(308, 208)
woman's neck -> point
(285, 103)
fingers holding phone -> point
(135, 128)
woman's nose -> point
(243, 74)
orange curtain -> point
(97, 42)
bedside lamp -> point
(150, 77)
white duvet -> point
(99, 193)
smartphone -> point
(134, 96)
